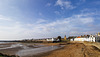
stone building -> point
(65, 38)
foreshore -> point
(73, 50)
(24, 49)
(70, 49)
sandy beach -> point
(72, 49)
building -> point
(98, 34)
(98, 37)
(71, 38)
(89, 38)
(51, 39)
(65, 38)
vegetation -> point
(4, 55)
(59, 37)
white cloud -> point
(4, 18)
(64, 4)
(74, 25)
(11, 32)
(48, 4)
(57, 12)
(67, 25)
(41, 21)
(86, 20)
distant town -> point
(89, 38)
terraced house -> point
(90, 38)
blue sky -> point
(26, 19)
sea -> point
(3, 42)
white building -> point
(51, 39)
(91, 38)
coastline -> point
(70, 49)
(73, 50)
(13, 48)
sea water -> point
(30, 52)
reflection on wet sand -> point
(23, 50)
(30, 52)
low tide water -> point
(26, 49)
(30, 52)
(3, 42)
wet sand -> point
(37, 51)
(3, 45)
(26, 49)
(73, 50)
(53, 50)
(11, 51)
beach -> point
(74, 50)
(27, 49)
(68, 49)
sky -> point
(27, 19)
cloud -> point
(48, 4)
(71, 26)
(11, 32)
(41, 21)
(57, 12)
(86, 20)
(75, 25)
(64, 4)
(4, 18)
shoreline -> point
(5, 55)
(31, 46)
(71, 49)
(46, 53)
